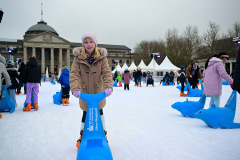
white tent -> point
(117, 68)
(152, 65)
(123, 68)
(132, 67)
(167, 65)
(142, 65)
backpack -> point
(182, 77)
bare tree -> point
(211, 37)
(192, 42)
(144, 49)
(176, 48)
(235, 30)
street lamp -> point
(236, 40)
(155, 56)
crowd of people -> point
(90, 73)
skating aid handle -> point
(92, 98)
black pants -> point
(135, 79)
(20, 86)
(85, 113)
(65, 92)
(126, 86)
(193, 82)
(182, 89)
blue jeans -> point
(144, 79)
(11, 93)
(215, 99)
(139, 80)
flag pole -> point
(41, 12)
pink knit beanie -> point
(89, 35)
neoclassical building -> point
(53, 51)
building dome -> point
(39, 28)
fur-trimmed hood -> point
(77, 51)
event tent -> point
(132, 67)
(142, 65)
(152, 65)
(166, 65)
(117, 68)
(123, 68)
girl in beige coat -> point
(90, 73)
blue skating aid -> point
(94, 145)
(165, 82)
(53, 81)
(57, 98)
(185, 88)
(189, 108)
(115, 84)
(220, 117)
(32, 102)
(225, 83)
(171, 83)
(194, 92)
(6, 103)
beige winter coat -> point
(90, 79)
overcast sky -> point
(119, 22)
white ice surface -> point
(141, 125)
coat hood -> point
(2, 59)
(214, 60)
(77, 51)
(32, 63)
(65, 72)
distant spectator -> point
(150, 81)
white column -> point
(25, 55)
(231, 68)
(52, 61)
(43, 60)
(60, 58)
(33, 52)
(68, 57)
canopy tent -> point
(123, 68)
(132, 67)
(142, 65)
(117, 68)
(152, 65)
(167, 65)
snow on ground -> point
(141, 125)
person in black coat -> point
(21, 70)
(236, 75)
(182, 80)
(166, 78)
(32, 78)
(13, 76)
(150, 81)
(135, 77)
(139, 76)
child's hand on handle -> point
(76, 94)
(108, 92)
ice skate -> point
(67, 101)
(63, 101)
(182, 94)
(28, 107)
(79, 140)
(36, 105)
